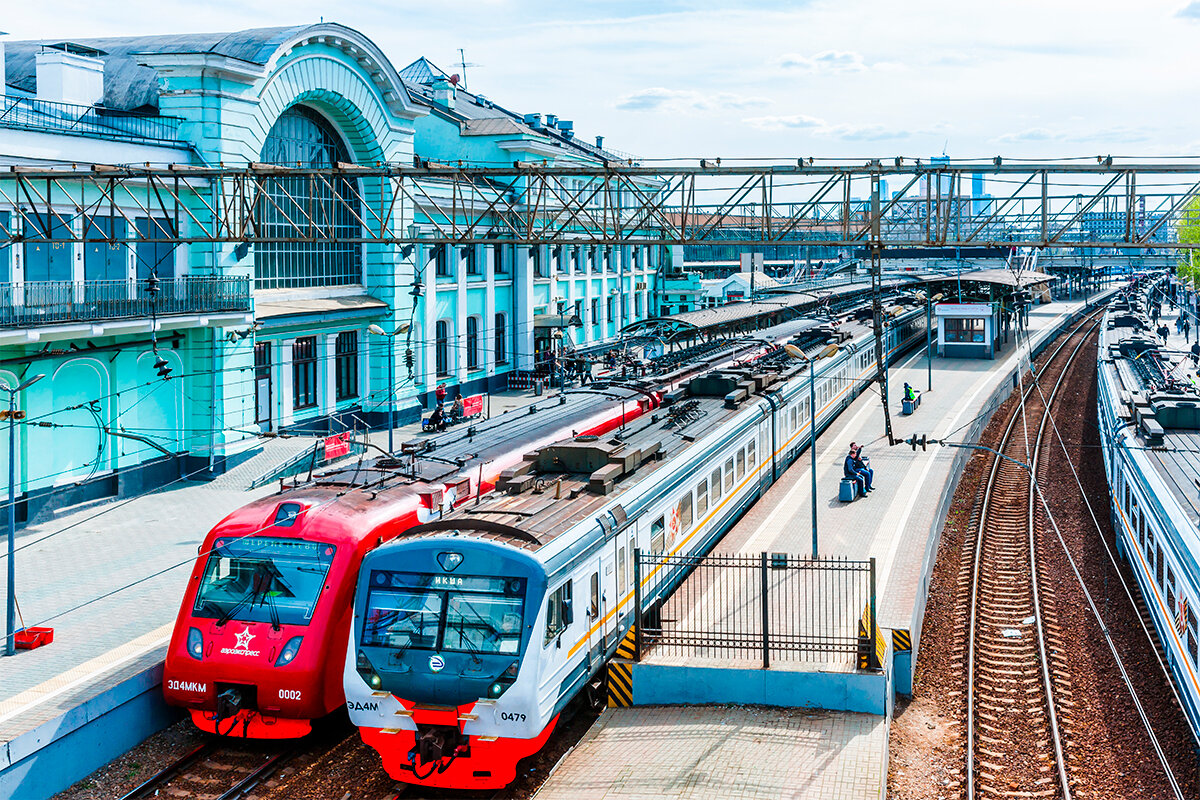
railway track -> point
(1016, 685)
(216, 770)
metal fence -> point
(768, 607)
(32, 303)
(33, 114)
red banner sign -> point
(472, 405)
(336, 446)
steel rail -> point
(1093, 319)
(167, 773)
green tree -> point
(1188, 232)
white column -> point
(487, 331)
(522, 341)
(284, 387)
(460, 315)
(327, 388)
(364, 364)
(428, 367)
(588, 334)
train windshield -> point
(442, 612)
(258, 579)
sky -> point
(819, 78)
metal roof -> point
(1003, 277)
(127, 84)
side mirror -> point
(568, 615)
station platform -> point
(719, 752)
(109, 577)
(898, 525)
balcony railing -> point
(43, 115)
(33, 303)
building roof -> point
(130, 86)
(1002, 277)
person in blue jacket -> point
(850, 470)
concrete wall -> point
(659, 684)
(51, 757)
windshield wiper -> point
(270, 598)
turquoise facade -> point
(270, 337)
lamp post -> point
(10, 645)
(828, 352)
(378, 331)
(929, 301)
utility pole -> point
(877, 306)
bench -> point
(909, 406)
(848, 490)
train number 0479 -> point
(510, 716)
(289, 694)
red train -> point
(259, 643)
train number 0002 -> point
(511, 716)
(289, 694)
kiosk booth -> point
(967, 330)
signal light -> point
(163, 366)
(195, 643)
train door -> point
(608, 579)
(262, 384)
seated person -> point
(458, 409)
(437, 420)
(910, 393)
(850, 470)
(863, 464)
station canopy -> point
(999, 277)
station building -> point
(273, 337)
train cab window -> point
(685, 513)
(657, 536)
(795, 417)
(260, 579)
(750, 454)
(558, 612)
(594, 604)
(728, 474)
(715, 486)
(467, 614)
(741, 463)
(701, 498)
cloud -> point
(1117, 133)
(1027, 135)
(788, 122)
(1190, 11)
(850, 132)
(827, 62)
(659, 98)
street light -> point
(378, 331)
(797, 353)
(929, 301)
(10, 646)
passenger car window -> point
(558, 612)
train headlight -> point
(195, 643)
(289, 651)
(375, 681)
(506, 679)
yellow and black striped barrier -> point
(620, 673)
(866, 658)
(901, 641)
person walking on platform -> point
(1187, 328)
(1163, 332)
(1195, 354)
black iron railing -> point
(764, 607)
(43, 115)
(50, 302)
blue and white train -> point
(1149, 416)
(472, 632)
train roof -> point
(565, 483)
(1155, 391)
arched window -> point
(441, 348)
(324, 210)
(501, 334)
(472, 342)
